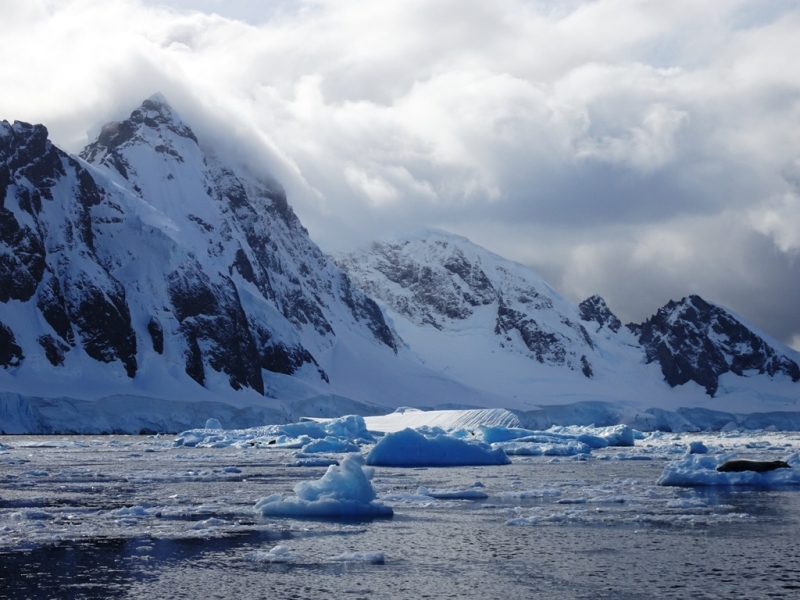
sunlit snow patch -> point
(409, 448)
(344, 491)
(699, 469)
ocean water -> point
(133, 517)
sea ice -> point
(453, 494)
(278, 554)
(614, 435)
(699, 469)
(409, 448)
(330, 444)
(344, 491)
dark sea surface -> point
(133, 517)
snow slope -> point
(498, 326)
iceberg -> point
(701, 469)
(343, 491)
(409, 448)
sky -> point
(638, 149)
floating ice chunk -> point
(453, 494)
(135, 511)
(373, 558)
(213, 424)
(330, 444)
(687, 503)
(35, 473)
(279, 554)
(32, 515)
(409, 448)
(211, 522)
(315, 462)
(593, 437)
(698, 469)
(521, 448)
(528, 494)
(344, 491)
(351, 427)
(697, 448)
(615, 435)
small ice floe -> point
(35, 473)
(133, 511)
(373, 558)
(687, 503)
(303, 461)
(210, 523)
(453, 494)
(32, 514)
(330, 444)
(344, 491)
(409, 448)
(614, 435)
(697, 469)
(624, 456)
(529, 494)
(278, 554)
(697, 448)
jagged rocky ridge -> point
(148, 251)
(694, 340)
(437, 280)
(443, 281)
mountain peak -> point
(153, 122)
(595, 309)
(695, 340)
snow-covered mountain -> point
(149, 266)
(150, 283)
(497, 325)
(694, 340)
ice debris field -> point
(345, 468)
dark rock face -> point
(451, 292)
(365, 309)
(696, 341)
(281, 357)
(546, 346)
(210, 314)
(50, 302)
(156, 334)
(101, 316)
(595, 310)
(10, 352)
(54, 349)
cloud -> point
(634, 148)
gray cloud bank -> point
(643, 150)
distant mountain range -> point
(150, 267)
